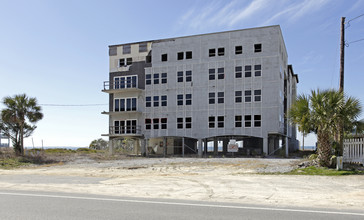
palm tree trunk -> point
(324, 149)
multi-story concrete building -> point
(207, 93)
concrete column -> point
(164, 146)
(265, 145)
(111, 146)
(199, 148)
(286, 144)
(183, 146)
(146, 147)
(215, 146)
(225, 143)
(205, 147)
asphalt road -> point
(41, 205)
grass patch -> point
(323, 171)
(10, 163)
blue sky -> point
(57, 51)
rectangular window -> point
(188, 99)
(248, 121)
(180, 99)
(238, 97)
(148, 124)
(117, 105)
(179, 123)
(148, 79)
(238, 71)
(125, 82)
(117, 127)
(220, 97)
(156, 101)
(257, 120)
(117, 83)
(148, 59)
(257, 95)
(238, 121)
(164, 78)
(238, 49)
(127, 104)
(148, 101)
(220, 121)
(143, 47)
(221, 51)
(129, 61)
(122, 62)
(122, 105)
(248, 71)
(164, 57)
(163, 100)
(122, 82)
(179, 76)
(188, 55)
(156, 78)
(155, 123)
(188, 122)
(189, 76)
(211, 121)
(211, 74)
(212, 52)
(220, 73)
(126, 49)
(257, 70)
(163, 123)
(257, 48)
(133, 104)
(248, 95)
(211, 98)
(180, 56)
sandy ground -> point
(215, 179)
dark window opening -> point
(148, 59)
(220, 97)
(188, 99)
(148, 124)
(129, 61)
(220, 73)
(211, 98)
(257, 120)
(164, 57)
(156, 101)
(257, 48)
(179, 76)
(258, 70)
(220, 121)
(164, 78)
(189, 76)
(248, 71)
(188, 122)
(148, 79)
(257, 95)
(211, 121)
(238, 49)
(179, 123)
(238, 97)
(126, 49)
(155, 123)
(248, 95)
(143, 47)
(156, 78)
(211, 74)
(180, 99)
(189, 55)
(163, 123)
(212, 52)
(238, 71)
(221, 51)
(121, 62)
(248, 121)
(180, 56)
(148, 101)
(163, 100)
(238, 121)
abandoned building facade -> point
(218, 93)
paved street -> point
(41, 205)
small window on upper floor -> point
(238, 49)
(188, 54)
(257, 48)
(148, 59)
(126, 49)
(180, 56)
(129, 61)
(164, 57)
(221, 51)
(188, 76)
(258, 70)
(143, 47)
(212, 52)
(121, 62)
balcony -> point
(124, 131)
(120, 86)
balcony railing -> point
(115, 85)
(125, 130)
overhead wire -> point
(348, 23)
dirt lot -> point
(237, 180)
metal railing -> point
(119, 85)
(136, 129)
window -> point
(257, 48)
(248, 121)
(258, 70)
(238, 97)
(126, 49)
(189, 76)
(220, 73)
(238, 71)
(164, 57)
(148, 59)
(212, 52)
(221, 51)
(155, 123)
(164, 78)
(179, 76)
(257, 95)
(156, 101)
(248, 96)
(238, 121)
(148, 124)
(188, 99)
(220, 121)
(129, 61)
(180, 99)
(180, 56)
(163, 123)
(163, 100)
(143, 47)
(211, 74)
(211, 98)
(179, 123)
(117, 105)
(257, 120)
(125, 104)
(220, 97)
(125, 127)
(211, 121)
(189, 55)
(188, 122)
(248, 71)
(238, 49)
(134, 104)
(156, 78)
(123, 82)
(121, 62)
(148, 79)
(148, 101)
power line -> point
(71, 105)
(348, 23)
(347, 44)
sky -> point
(57, 51)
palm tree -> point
(18, 119)
(328, 110)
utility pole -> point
(342, 52)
